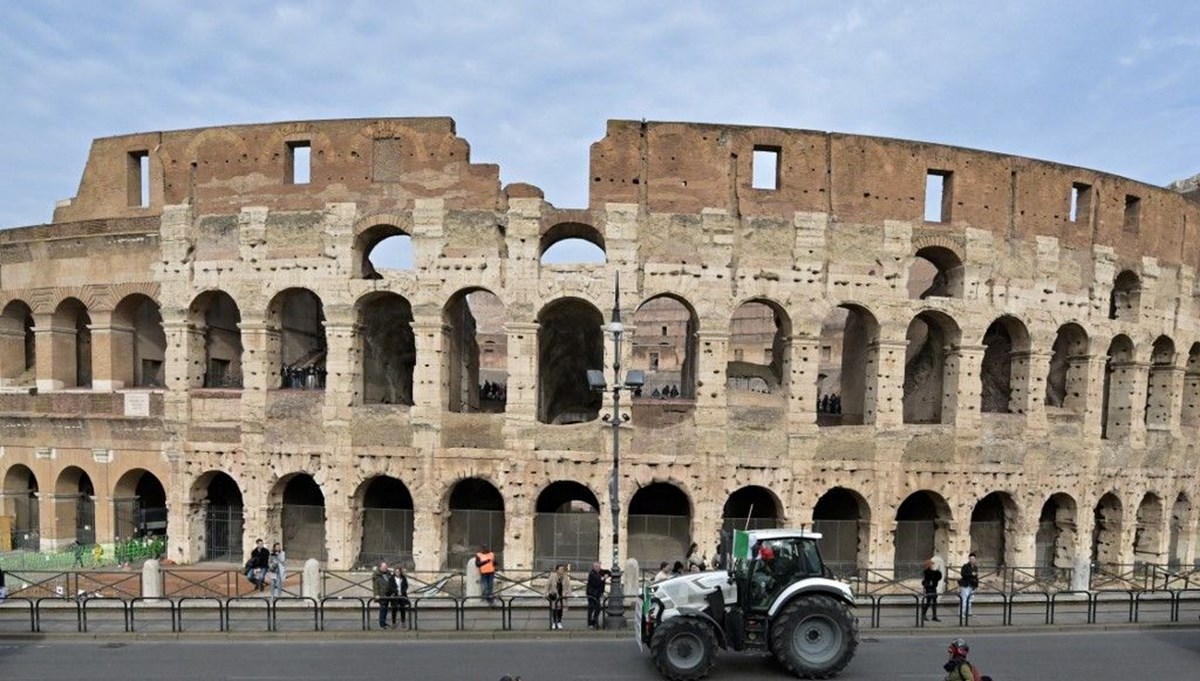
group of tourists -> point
(390, 588)
(265, 566)
(694, 561)
(931, 578)
(558, 592)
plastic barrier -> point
(103, 604)
(337, 605)
(147, 606)
(210, 601)
(9, 610)
(290, 607)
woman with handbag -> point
(558, 588)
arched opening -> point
(1106, 533)
(1004, 376)
(297, 318)
(75, 507)
(848, 367)
(1178, 539)
(476, 352)
(936, 272)
(665, 347)
(660, 524)
(1125, 301)
(139, 343)
(991, 530)
(476, 519)
(387, 523)
(759, 334)
(931, 369)
(21, 504)
(1066, 382)
(1148, 535)
(383, 248)
(71, 346)
(572, 243)
(570, 342)
(1117, 414)
(751, 508)
(139, 506)
(843, 518)
(302, 516)
(223, 520)
(566, 526)
(922, 531)
(1055, 542)
(1190, 414)
(389, 349)
(217, 316)
(18, 358)
(1160, 384)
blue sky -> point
(532, 84)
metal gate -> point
(223, 529)
(387, 535)
(572, 538)
(25, 532)
(85, 521)
(133, 520)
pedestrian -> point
(3, 589)
(558, 588)
(485, 560)
(256, 566)
(968, 582)
(695, 562)
(595, 593)
(677, 568)
(381, 584)
(957, 667)
(400, 595)
(664, 572)
(277, 569)
(929, 582)
(77, 549)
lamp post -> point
(615, 612)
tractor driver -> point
(762, 575)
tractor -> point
(775, 597)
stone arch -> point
(571, 243)
(1004, 375)
(993, 529)
(1117, 415)
(566, 525)
(75, 507)
(217, 320)
(71, 344)
(139, 505)
(660, 524)
(1190, 411)
(1106, 533)
(20, 501)
(931, 368)
(1124, 304)
(1054, 544)
(570, 342)
(1148, 535)
(218, 504)
(1066, 381)
(922, 531)
(382, 247)
(296, 320)
(843, 517)
(936, 271)
(297, 515)
(1160, 384)
(1178, 537)
(752, 507)
(666, 346)
(759, 336)
(139, 344)
(475, 519)
(475, 350)
(847, 375)
(386, 521)
(18, 347)
(388, 348)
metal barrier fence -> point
(530, 612)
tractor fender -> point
(702, 615)
(835, 589)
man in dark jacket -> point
(381, 585)
(595, 594)
(968, 582)
(256, 571)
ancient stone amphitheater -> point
(919, 349)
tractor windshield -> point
(779, 563)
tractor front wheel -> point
(683, 648)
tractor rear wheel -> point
(814, 637)
(683, 648)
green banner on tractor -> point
(741, 545)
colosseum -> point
(915, 348)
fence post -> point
(310, 580)
(152, 582)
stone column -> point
(12, 352)
(969, 387)
(260, 373)
(339, 546)
(518, 540)
(429, 381)
(55, 361)
(883, 401)
(712, 407)
(520, 411)
(1093, 407)
(1032, 400)
(803, 359)
(429, 526)
(112, 353)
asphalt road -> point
(1102, 656)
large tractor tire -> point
(814, 637)
(683, 648)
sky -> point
(531, 84)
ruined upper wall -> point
(685, 168)
(389, 161)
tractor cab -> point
(775, 563)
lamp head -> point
(635, 379)
(595, 379)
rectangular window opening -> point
(1133, 209)
(299, 162)
(664, 330)
(139, 178)
(938, 196)
(738, 354)
(654, 361)
(765, 168)
(1081, 202)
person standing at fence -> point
(968, 582)
(929, 582)
(664, 572)
(256, 567)
(485, 560)
(596, 579)
(558, 588)
(381, 588)
(277, 569)
(399, 595)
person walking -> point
(968, 582)
(381, 584)
(558, 588)
(399, 596)
(485, 560)
(929, 582)
(595, 593)
(256, 567)
(277, 569)
(957, 667)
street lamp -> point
(634, 380)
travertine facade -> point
(1020, 376)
